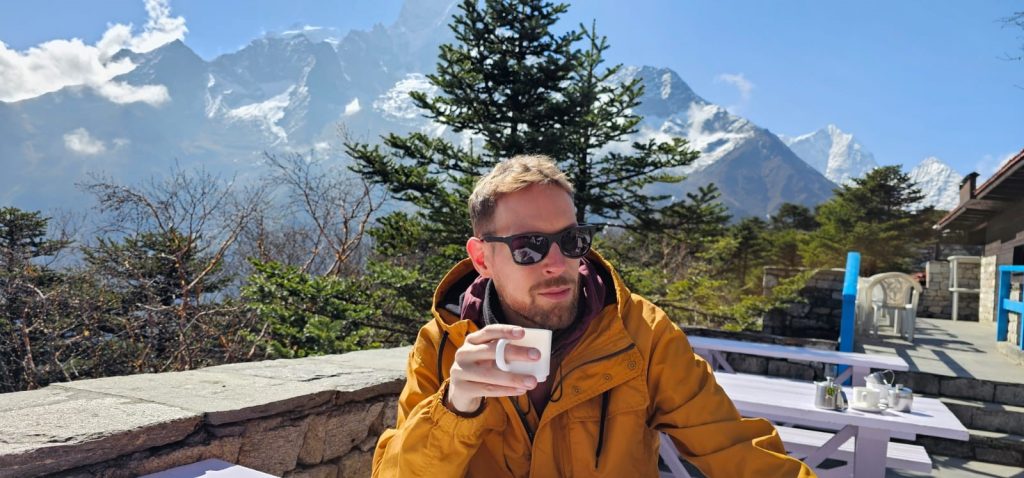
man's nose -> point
(554, 262)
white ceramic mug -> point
(539, 339)
(866, 397)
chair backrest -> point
(893, 289)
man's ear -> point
(477, 251)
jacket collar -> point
(446, 312)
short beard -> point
(561, 317)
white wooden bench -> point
(860, 364)
(809, 446)
(806, 445)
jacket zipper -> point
(593, 360)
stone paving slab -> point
(946, 467)
(42, 431)
(223, 397)
(950, 348)
(357, 375)
(243, 391)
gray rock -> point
(994, 418)
(314, 442)
(329, 470)
(356, 464)
(967, 388)
(349, 426)
(224, 449)
(272, 447)
(54, 429)
(999, 455)
(223, 397)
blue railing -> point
(1005, 305)
(849, 305)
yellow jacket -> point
(632, 375)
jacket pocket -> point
(627, 446)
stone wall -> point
(819, 317)
(987, 298)
(936, 300)
(314, 417)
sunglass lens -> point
(575, 242)
(529, 249)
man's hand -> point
(475, 374)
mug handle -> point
(499, 355)
(891, 374)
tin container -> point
(900, 398)
(825, 394)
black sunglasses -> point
(532, 247)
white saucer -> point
(865, 408)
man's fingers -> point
(480, 389)
(495, 332)
(513, 353)
(492, 375)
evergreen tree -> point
(787, 228)
(517, 87)
(25, 284)
(793, 216)
(878, 216)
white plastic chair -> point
(893, 296)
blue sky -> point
(909, 79)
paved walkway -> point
(946, 467)
(945, 347)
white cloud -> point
(121, 93)
(81, 142)
(739, 81)
(54, 64)
(352, 107)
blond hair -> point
(509, 176)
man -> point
(621, 370)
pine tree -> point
(515, 86)
(879, 216)
(25, 285)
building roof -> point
(994, 196)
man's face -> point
(541, 295)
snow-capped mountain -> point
(939, 183)
(840, 157)
(834, 153)
(289, 91)
(752, 168)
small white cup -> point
(539, 339)
(866, 397)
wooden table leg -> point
(869, 453)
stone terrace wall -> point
(987, 299)
(314, 417)
(937, 301)
(819, 318)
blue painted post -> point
(1005, 304)
(1002, 316)
(849, 304)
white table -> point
(860, 364)
(212, 468)
(793, 401)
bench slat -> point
(855, 359)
